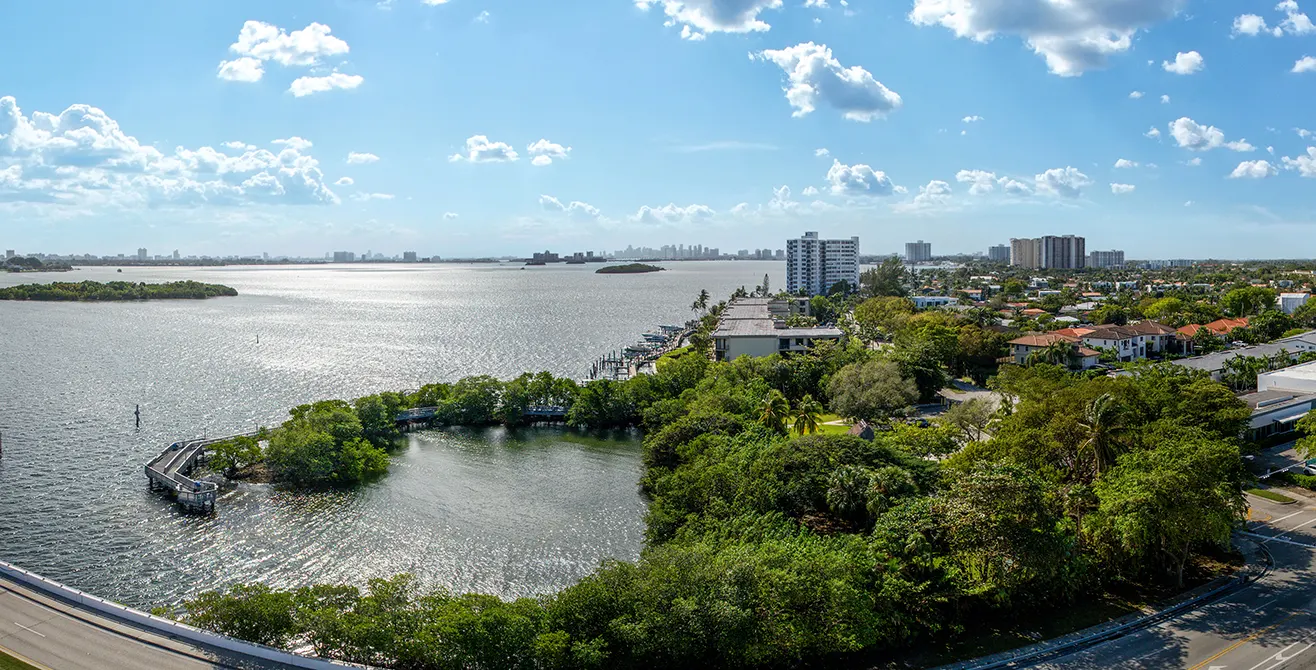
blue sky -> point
(227, 127)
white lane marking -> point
(1268, 602)
(1277, 538)
(27, 629)
(1287, 516)
(1280, 659)
(1300, 525)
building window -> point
(783, 344)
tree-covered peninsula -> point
(115, 291)
(773, 543)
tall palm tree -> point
(806, 415)
(1103, 432)
(701, 303)
(1059, 352)
(774, 411)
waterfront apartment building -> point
(1026, 253)
(753, 327)
(999, 253)
(1106, 259)
(344, 256)
(141, 254)
(409, 257)
(918, 252)
(814, 265)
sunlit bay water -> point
(508, 513)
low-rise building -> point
(1276, 411)
(1214, 364)
(1157, 338)
(927, 301)
(1022, 349)
(747, 328)
(1219, 327)
(1290, 302)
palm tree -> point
(775, 410)
(1059, 352)
(806, 415)
(700, 303)
(1103, 431)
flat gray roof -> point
(749, 317)
(1217, 361)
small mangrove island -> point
(628, 269)
(90, 291)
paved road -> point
(54, 635)
(1266, 626)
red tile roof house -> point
(1023, 347)
(1220, 328)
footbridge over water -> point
(169, 472)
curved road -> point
(1268, 625)
(52, 634)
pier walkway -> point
(169, 472)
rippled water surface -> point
(492, 511)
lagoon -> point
(504, 513)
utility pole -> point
(138, 413)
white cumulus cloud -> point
(544, 152)
(1135, 95)
(1254, 170)
(1249, 24)
(241, 69)
(1189, 134)
(363, 197)
(1121, 189)
(581, 211)
(700, 17)
(480, 150)
(971, 119)
(344, 181)
(821, 152)
(307, 46)
(1065, 182)
(1305, 165)
(1073, 36)
(1184, 63)
(1154, 133)
(359, 158)
(815, 76)
(671, 214)
(449, 215)
(983, 182)
(1125, 163)
(858, 180)
(83, 156)
(304, 86)
(1305, 64)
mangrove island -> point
(628, 269)
(90, 291)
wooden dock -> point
(169, 472)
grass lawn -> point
(1271, 495)
(670, 356)
(8, 662)
(825, 429)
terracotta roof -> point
(1040, 340)
(1033, 312)
(1150, 328)
(1086, 352)
(1220, 327)
(1073, 332)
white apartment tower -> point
(918, 252)
(1106, 259)
(999, 253)
(813, 266)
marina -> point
(642, 357)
